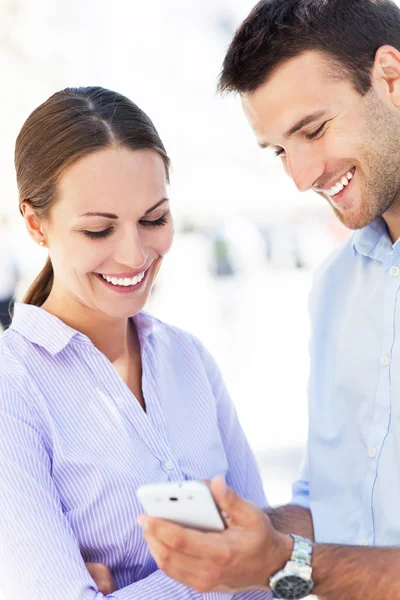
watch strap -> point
(302, 550)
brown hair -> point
(69, 125)
(348, 32)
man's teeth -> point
(340, 185)
(124, 281)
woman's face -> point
(111, 220)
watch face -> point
(292, 587)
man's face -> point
(348, 152)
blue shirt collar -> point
(44, 329)
(374, 241)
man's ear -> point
(33, 224)
(386, 74)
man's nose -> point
(305, 168)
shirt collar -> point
(373, 241)
(44, 329)
(146, 325)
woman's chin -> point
(123, 313)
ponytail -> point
(41, 287)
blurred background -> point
(239, 273)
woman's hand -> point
(102, 577)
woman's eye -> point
(98, 234)
(280, 153)
(161, 221)
(106, 232)
(315, 134)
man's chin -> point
(353, 219)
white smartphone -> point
(187, 503)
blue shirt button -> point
(385, 361)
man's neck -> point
(392, 220)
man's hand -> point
(242, 557)
(102, 577)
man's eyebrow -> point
(316, 116)
(112, 216)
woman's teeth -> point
(340, 185)
(126, 281)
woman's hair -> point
(349, 32)
(69, 125)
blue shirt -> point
(351, 476)
(75, 444)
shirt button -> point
(372, 452)
(169, 465)
(394, 271)
(364, 542)
(385, 361)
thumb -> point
(240, 512)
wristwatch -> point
(294, 581)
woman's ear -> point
(33, 224)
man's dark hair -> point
(349, 32)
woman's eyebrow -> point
(156, 205)
(112, 216)
(100, 214)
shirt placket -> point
(380, 424)
(152, 390)
(148, 425)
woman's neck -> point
(116, 338)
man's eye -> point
(98, 234)
(315, 134)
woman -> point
(96, 396)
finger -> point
(240, 511)
(186, 541)
(98, 569)
(101, 575)
(203, 576)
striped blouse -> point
(75, 444)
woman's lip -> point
(124, 275)
(122, 289)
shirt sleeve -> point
(243, 474)
(160, 587)
(300, 488)
(40, 557)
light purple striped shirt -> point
(75, 444)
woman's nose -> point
(130, 251)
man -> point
(319, 81)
